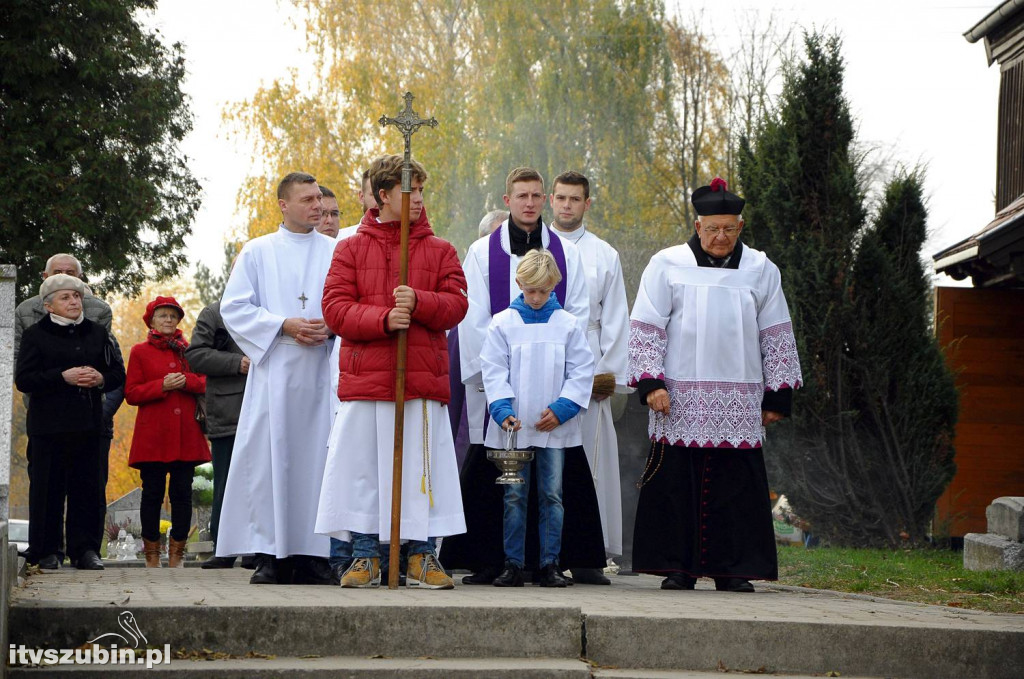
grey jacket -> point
(29, 312)
(213, 353)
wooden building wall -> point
(982, 332)
(1010, 148)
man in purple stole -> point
(490, 276)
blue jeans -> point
(368, 545)
(341, 553)
(549, 463)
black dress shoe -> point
(338, 570)
(311, 570)
(266, 571)
(49, 563)
(89, 561)
(678, 581)
(590, 576)
(219, 562)
(482, 577)
(512, 576)
(733, 585)
(249, 561)
(550, 576)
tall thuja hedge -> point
(904, 394)
(865, 454)
(805, 208)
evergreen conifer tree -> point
(860, 459)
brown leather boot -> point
(175, 553)
(151, 548)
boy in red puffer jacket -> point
(364, 305)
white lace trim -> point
(779, 357)
(647, 346)
(710, 415)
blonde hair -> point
(538, 270)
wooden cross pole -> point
(407, 121)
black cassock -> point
(705, 512)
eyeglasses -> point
(727, 230)
(332, 213)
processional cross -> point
(407, 121)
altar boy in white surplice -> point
(366, 307)
(536, 363)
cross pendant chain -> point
(303, 299)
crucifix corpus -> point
(407, 121)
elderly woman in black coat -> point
(66, 363)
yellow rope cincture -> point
(425, 484)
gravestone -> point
(1002, 547)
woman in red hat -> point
(167, 439)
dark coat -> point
(165, 426)
(213, 353)
(359, 293)
(46, 351)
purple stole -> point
(499, 274)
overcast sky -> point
(917, 89)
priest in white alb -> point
(712, 354)
(607, 333)
(271, 308)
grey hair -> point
(49, 298)
(49, 262)
(489, 220)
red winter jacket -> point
(165, 426)
(359, 293)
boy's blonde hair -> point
(538, 270)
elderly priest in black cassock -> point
(712, 354)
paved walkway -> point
(627, 596)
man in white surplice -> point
(608, 334)
(271, 308)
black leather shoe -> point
(89, 561)
(482, 577)
(219, 562)
(550, 576)
(590, 576)
(266, 570)
(249, 561)
(311, 570)
(678, 581)
(512, 576)
(49, 563)
(338, 570)
(733, 585)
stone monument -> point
(1002, 547)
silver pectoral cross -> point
(303, 299)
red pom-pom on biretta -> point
(718, 184)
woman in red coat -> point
(167, 439)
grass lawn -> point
(931, 576)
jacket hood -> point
(369, 225)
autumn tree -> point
(91, 118)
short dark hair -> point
(293, 178)
(386, 172)
(326, 192)
(522, 174)
(572, 178)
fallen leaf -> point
(121, 603)
(201, 602)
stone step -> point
(331, 668)
(631, 627)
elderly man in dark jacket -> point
(66, 363)
(213, 353)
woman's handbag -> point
(201, 411)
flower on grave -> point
(165, 526)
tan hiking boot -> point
(425, 571)
(364, 572)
